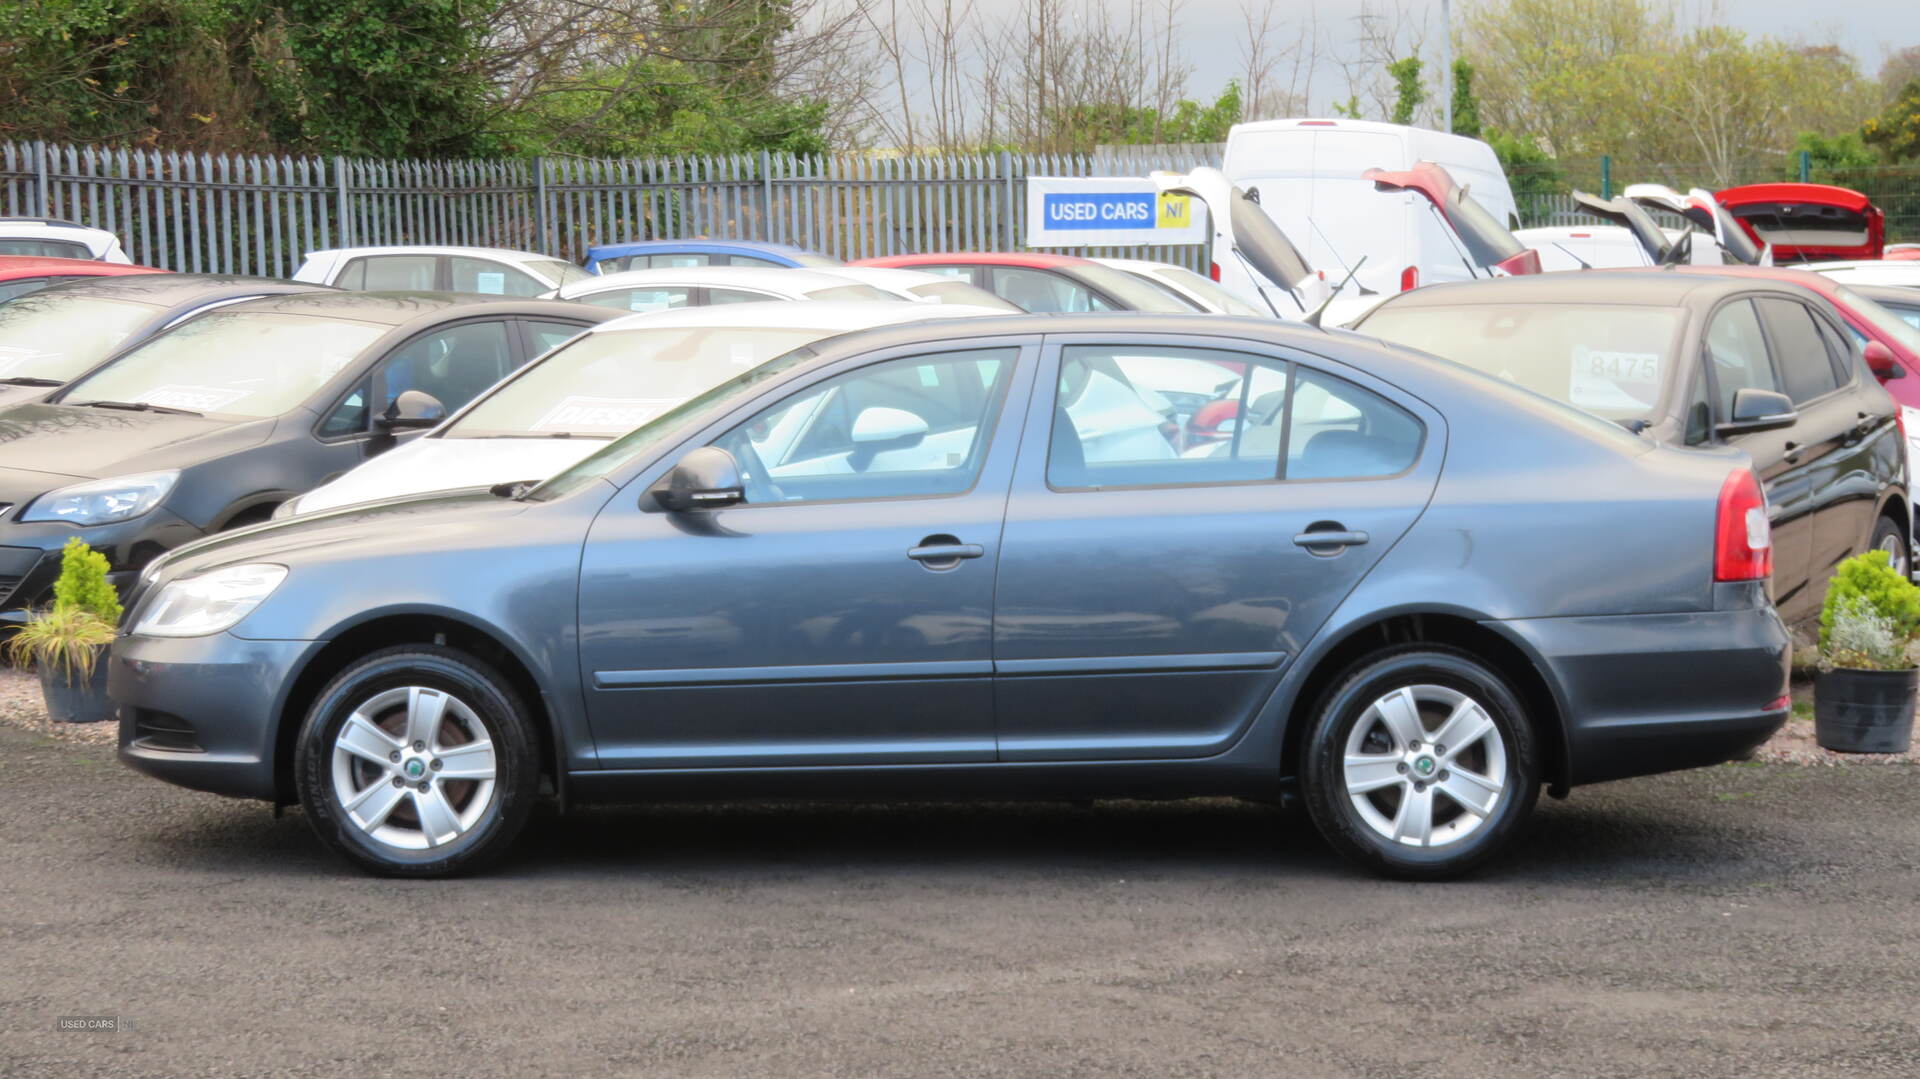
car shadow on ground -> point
(1610, 843)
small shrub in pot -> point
(1864, 695)
(65, 641)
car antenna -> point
(1584, 264)
(1313, 317)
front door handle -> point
(944, 552)
(1335, 540)
(1793, 450)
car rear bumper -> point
(201, 712)
(1642, 694)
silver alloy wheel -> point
(1425, 766)
(413, 767)
(1896, 553)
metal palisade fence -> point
(258, 214)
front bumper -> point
(1643, 694)
(201, 712)
(30, 555)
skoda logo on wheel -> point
(1424, 766)
(416, 768)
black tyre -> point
(1887, 537)
(418, 761)
(1385, 787)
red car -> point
(1892, 345)
(1039, 282)
(21, 274)
(1808, 222)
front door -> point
(1182, 522)
(843, 614)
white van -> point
(1307, 175)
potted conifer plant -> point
(65, 641)
(1867, 685)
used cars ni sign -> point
(987, 558)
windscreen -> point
(1487, 240)
(1610, 360)
(1225, 301)
(1132, 293)
(46, 335)
(960, 292)
(1896, 327)
(605, 384)
(565, 273)
(232, 363)
(857, 292)
(1262, 243)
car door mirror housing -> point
(887, 426)
(1881, 361)
(1756, 409)
(412, 410)
(705, 479)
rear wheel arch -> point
(387, 630)
(1449, 629)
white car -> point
(598, 386)
(920, 286)
(1196, 291)
(702, 286)
(489, 271)
(1899, 273)
(49, 238)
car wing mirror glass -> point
(1756, 409)
(1880, 360)
(413, 409)
(707, 478)
(887, 426)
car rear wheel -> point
(417, 761)
(1420, 764)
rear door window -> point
(453, 364)
(1737, 354)
(1038, 290)
(392, 273)
(491, 278)
(1800, 352)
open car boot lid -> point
(1490, 244)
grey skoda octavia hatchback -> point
(994, 558)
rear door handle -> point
(944, 555)
(1310, 540)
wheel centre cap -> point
(415, 768)
(1423, 766)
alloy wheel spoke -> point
(474, 760)
(1414, 821)
(1467, 724)
(1477, 794)
(1401, 714)
(370, 808)
(361, 738)
(1371, 773)
(438, 820)
(425, 707)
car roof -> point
(1033, 259)
(1894, 294)
(795, 280)
(13, 267)
(36, 223)
(636, 247)
(1139, 265)
(838, 315)
(1786, 274)
(1664, 288)
(401, 308)
(172, 289)
(499, 253)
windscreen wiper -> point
(138, 406)
(30, 380)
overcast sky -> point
(1212, 30)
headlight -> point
(210, 602)
(100, 502)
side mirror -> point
(705, 479)
(411, 410)
(1880, 360)
(1758, 410)
(887, 426)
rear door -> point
(1160, 566)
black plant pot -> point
(1865, 711)
(84, 701)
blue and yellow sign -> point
(1106, 211)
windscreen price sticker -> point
(599, 414)
(1614, 380)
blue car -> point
(656, 254)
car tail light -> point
(1409, 279)
(1213, 270)
(1743, 540)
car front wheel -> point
(417, 761)
(1420, 764)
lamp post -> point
(1446, 66)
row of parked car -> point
(631, 536)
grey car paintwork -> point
(227, 467)
(1590, 553)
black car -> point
(213, 423)
(1698, 360)
(62, 331)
